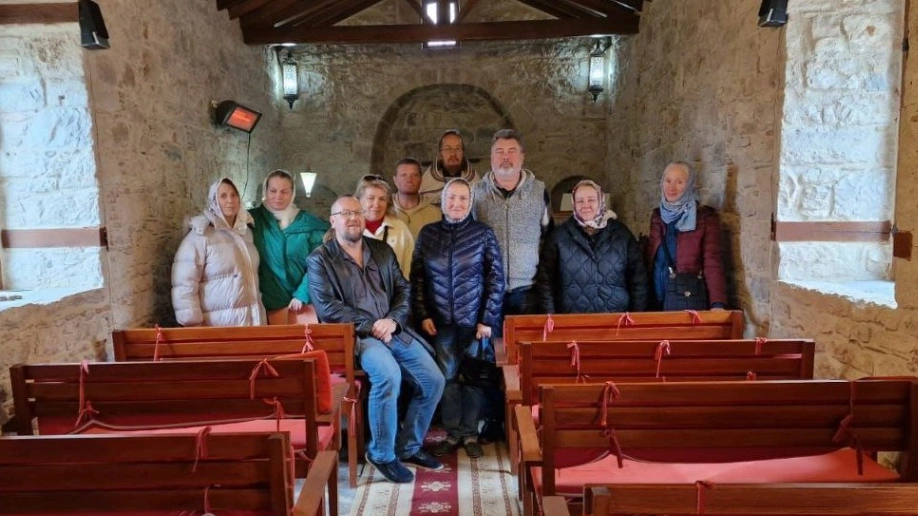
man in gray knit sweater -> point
(516, 205)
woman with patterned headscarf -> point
(215, 273)
(591, 263)
(685, 239)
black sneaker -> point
(422, 459)
(473, 449)
(444, 447)
(393, 471)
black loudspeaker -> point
(92, 27)
(773, 13)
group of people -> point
(426, 274)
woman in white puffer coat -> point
(215, 273)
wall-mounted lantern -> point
(290, 77)
(598, 66)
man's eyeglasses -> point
(346, 214)
(451, 150)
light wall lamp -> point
(598, 66)
(309, 180)
(290, 77)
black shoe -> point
(422, 459)
(393, 471)
(444, 447)
(473, 449)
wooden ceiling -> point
(267, 22)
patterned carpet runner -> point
(465, 487)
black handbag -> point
(685, 290)
(480, 369)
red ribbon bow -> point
(548, 328)
(625, 319)
(257, 369)
(662, 348)
(309, 345)
(159, 339)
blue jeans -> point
(461, 403)
(386, 366)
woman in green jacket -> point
(284, 236)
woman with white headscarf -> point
(591, 263)
(685, 241)
(285, 235)
(457, 289)
(215, 272)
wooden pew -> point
(835, 499)
(707, 325)
(173, 396)
(257, 342)
(160, 474)
(637, 361)
(722, 432)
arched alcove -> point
(414, 122)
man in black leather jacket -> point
(357, 280)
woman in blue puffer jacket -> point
(457, 287)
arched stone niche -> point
(413, 124)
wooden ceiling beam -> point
(604, 7)
(442, 12)
(39, 13)
(342, 11)
(464, 10)
(224, 4)
(509, 30)
(246, 7)
(552, 8)
(417, 8)
(593, 8)
(632, 5)
(278, 13)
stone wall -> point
(155, 152)
(839, 132)
(701, 83)
(719, 101)
(340, 126)
(52, 329)
(47, 168)
(158, 149)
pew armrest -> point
(511, 380)
(555, 506)
(530, 451)
(500, 350)
(323, 472)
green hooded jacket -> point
(283, 252)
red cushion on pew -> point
(836, 466)
(323, 378)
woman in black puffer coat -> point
(457, 287)
(591, 263)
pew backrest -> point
(838, 499)
(246, 342)
(706, 325)
(744, 420)
(149, 474)
(65, 398)
(672, 361)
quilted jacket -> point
(457, 276)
